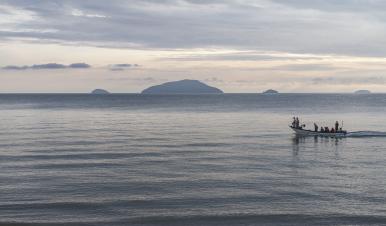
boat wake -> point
(366, 134)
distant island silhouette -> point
(100, 91)
(185, 86)
(362, 91)
(270, 91)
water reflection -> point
(300, 143)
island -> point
(270, 91)
(362, 91)
(185, 86)
(100, 91)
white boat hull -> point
(305, 132)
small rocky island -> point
(270, 91)
(100, 91)
(362, 91)
(185, 86)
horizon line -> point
(266, 94)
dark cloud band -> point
(47, 66)
(295, 26)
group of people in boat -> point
(334, 129)
(296, 123)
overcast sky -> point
(235, 45)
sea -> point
(221, 159)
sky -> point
(239, 46)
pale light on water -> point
(190, 160)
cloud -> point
(336, 5)
(298, 26)
(46, 66)
(13, 67)
(305, 67)
(214, 80)
(125, 65)
(117, 69)
(146, 79)
(79, 65)
(364, 80)
(122, 67)
(244, 56)
(80, 13)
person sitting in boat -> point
(300, 126)
(293, 122)
(332, 130)
(297, 123)
(321, 129)
(316, 127)
(336, 126)
(326, 130)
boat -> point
(305, 132)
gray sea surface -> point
(130, 159)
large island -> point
(185, 86)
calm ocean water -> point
(190, 160)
